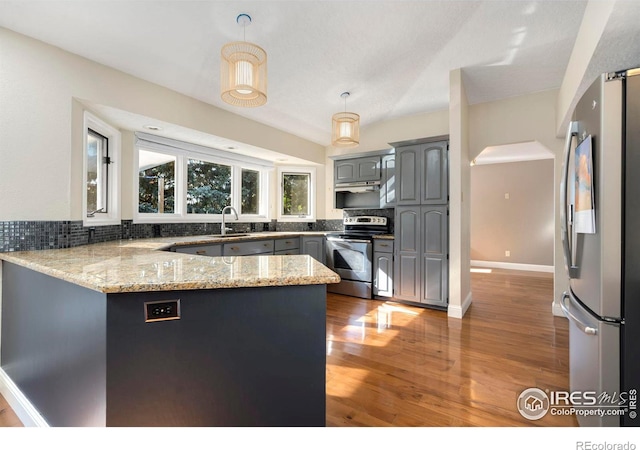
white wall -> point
(520, 119)
(523, 223)
(460, 296)
(40, 137)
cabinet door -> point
(314, 247)
(383, 274)
(357, 169)
(435, 263)
(344, 171)
(368, 169)
(204, 250)
(286, 244)
(247, 248)
(407, 247)
(435, 179)
(408, 183)
(388, 182)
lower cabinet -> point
(422, 249)
(287, 246)
(383, 268)
(306, 245)
(204, 250)
(314, 247)
(248, 248)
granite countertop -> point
(141, 266)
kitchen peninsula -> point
(125, 334)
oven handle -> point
(363, 241)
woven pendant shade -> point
(243, 77)
(345, 127)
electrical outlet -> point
(506, 196)
(162, 310)
(507, 253)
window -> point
(97, 172)
(156, 183)
(208, 187)
(250, 192)
(178, 181)
(297, 194)
(101, 187)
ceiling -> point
(393, 56)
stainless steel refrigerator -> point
(600, 208)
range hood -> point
(358, 187)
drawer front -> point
(292, 251)
(248, 248)
(383, 245)
(287, 244)
(204, 250)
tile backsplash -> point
(42, 235)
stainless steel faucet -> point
(223, 230)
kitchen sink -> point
(229, 235)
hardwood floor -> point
(392, 365)
(389, 364)
(8, 417)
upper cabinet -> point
(365, 181)
(422, 174)
(357, 169)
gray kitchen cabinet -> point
(421, 265)
(435, 255)
(407, 249)
(357, 169)
(314, 247)
(383, 267)
(290, 251)
(248, 248)
(388, 182)
(287, 246)
(422, 174)
(204, 250)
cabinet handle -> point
(384, 245)
(201, 252)
(235, 248)
(266, 245)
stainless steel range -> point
(350, 254)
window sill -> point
(296, 219)
(98, 221)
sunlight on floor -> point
(480, 270)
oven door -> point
(350, 258)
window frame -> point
(182, 156)
(113, 136)
(293, 170)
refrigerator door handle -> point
(567, 244)
(584, 327)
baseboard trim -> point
(23, 408)
(556, 309)
(512, 266)
(458, 312)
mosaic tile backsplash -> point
(40, 235)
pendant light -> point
(244, 71)
(346, 127)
